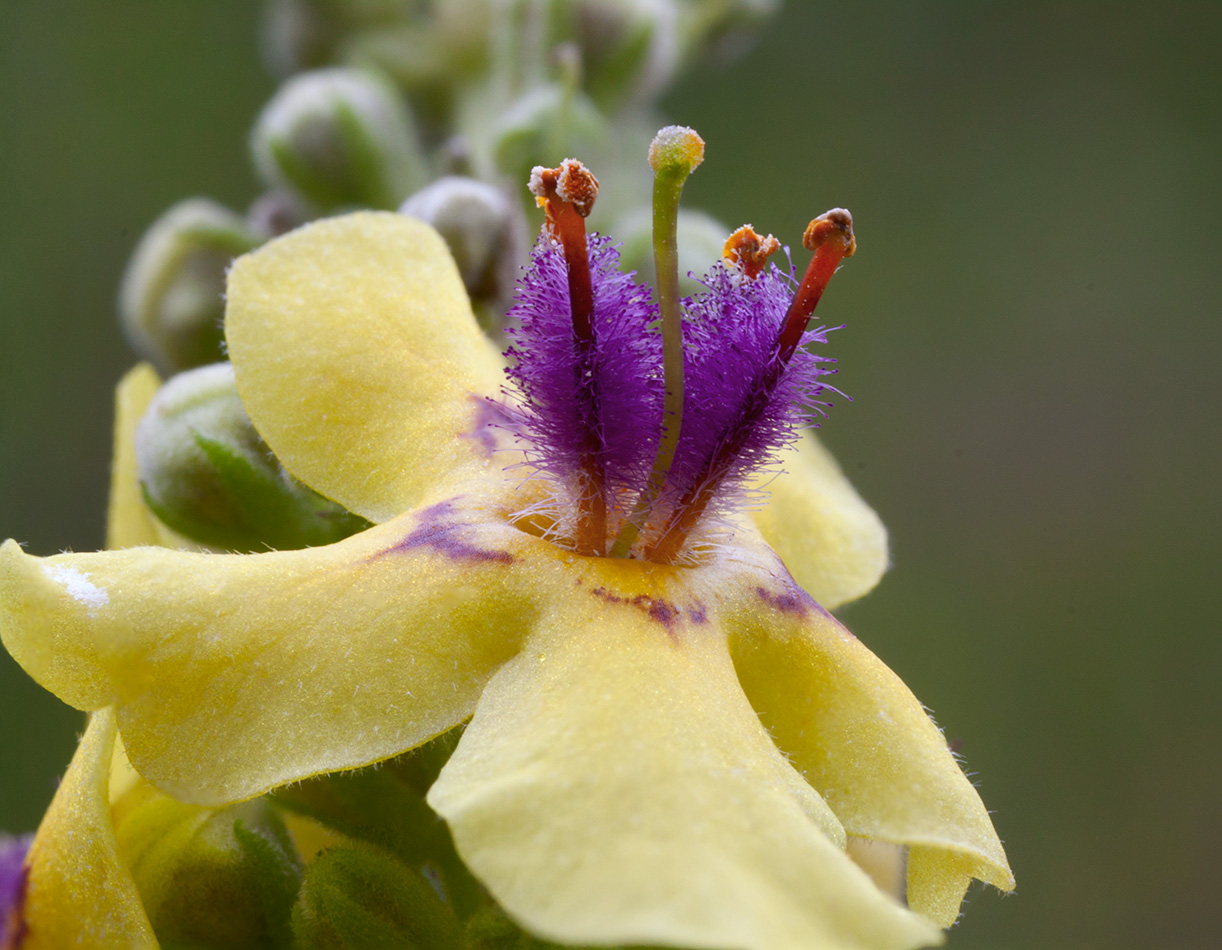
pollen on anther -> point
(570, 181)
(749, 251)
(838, 224)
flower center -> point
(649, 419)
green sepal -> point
(385, 807)
(277, 872)
(361, 181)
(372, 805)
(207, 474)
(362, 897)
(271, 507)
(201, 883)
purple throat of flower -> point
(648, 416)
(13, 875)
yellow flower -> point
(660, 754)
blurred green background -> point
(1033, 353)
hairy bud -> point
(208, 475)
(339, 137)
(480, 225)
(170, 301)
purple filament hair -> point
(619, 379)
(742, 403)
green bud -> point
(304, 34)
(360, 897)
(209, 877)
(482, 228)
(723, 29)
(171, 300)
(275, 213)
(630, 48)
(701, 239)
(339, 137)
(552, 119)
(208, 475)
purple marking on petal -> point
(438, 529)
(792, 601)
(697, 615)
(624, 381)
(658, 610)
(663, 613)
(489, 416)
(13, 878)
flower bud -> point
(480, 225)
(630, 48)
(208, 475)
(208, 877)
(304, 34)
(549, 120)
(171, 300)
(337, 137)
(362, 897)
(723, 29)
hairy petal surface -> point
(615, 787)
(358, 359)
(830, 539)
(80, 894)
(233, 674)
(865, 743)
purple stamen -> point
(748, 399)
(556, 381)
(587, 368)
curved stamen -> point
(830, 236)
(567, 194)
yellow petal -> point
(865, 743)
(615, 787)
(358, 358)
(129, 522)
(236, 673)
(831, 540)
(80, 893)
(123, 776)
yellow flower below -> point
(656, 754)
